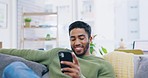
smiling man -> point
(91, 66)
(84, 64)
(80, 38)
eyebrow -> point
(71, 36)
(81, 35)
(78, 36)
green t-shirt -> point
(91, 66)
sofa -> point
(5, 60)
(126, 65)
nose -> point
(77, 42)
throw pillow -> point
(5, 60)
(142, 70)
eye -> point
(72, 39)
(82, 38)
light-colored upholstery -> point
(123, 63)
(128, 65)
(141, 68)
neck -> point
(87, 53)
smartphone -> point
(65, 56)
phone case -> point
(65, 56)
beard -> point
(82, 54)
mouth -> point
(78, 49)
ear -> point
(90, 39)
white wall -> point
(104, 23)
(123, 25)
(126, 22)
(8, 35)
(143, 19)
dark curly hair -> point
(80, 24)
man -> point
(84, 64)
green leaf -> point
(27, 19)
(92, 48)
(104, 50)
(92, 45)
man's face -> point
(79, 41)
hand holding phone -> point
(65, 56)
(73, 70)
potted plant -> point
(27, 22)
(102, 50)
(92, 45)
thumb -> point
(75, 59)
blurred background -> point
(113, 21)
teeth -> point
(78, 48)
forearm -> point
(39, 56)
(34, 55)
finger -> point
(70, 74)
(67, 63)
(76, 73)
(75, 59)
(72, 65)
(73, 74)
(68, 70)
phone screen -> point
(65, 56)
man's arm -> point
(39, 56)
(24, 53)
(107, 71)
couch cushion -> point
(46, 75)
(122, 63)
(5, 60)
(142, 70)
(136, 64)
